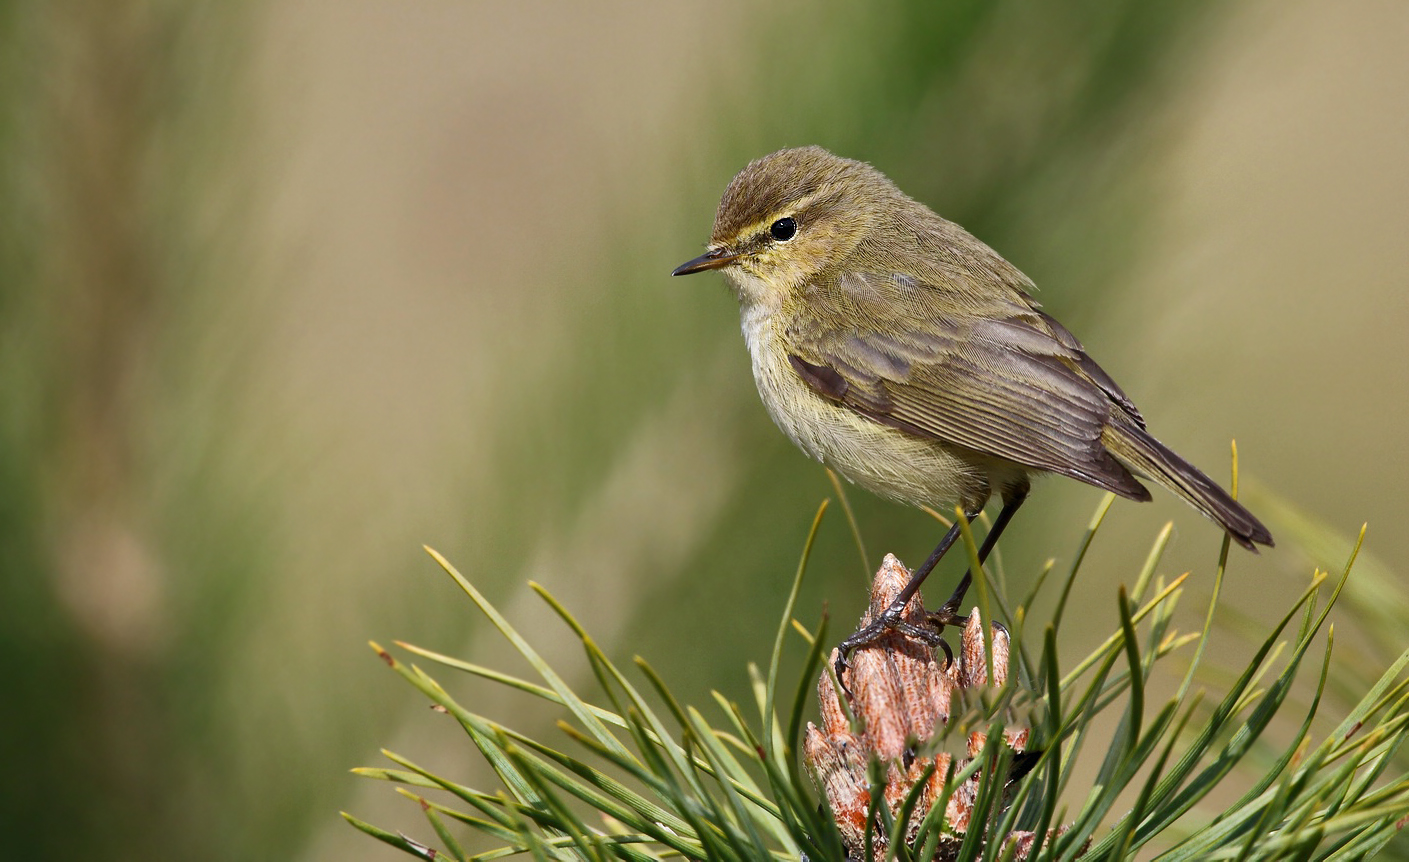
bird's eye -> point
(783, 229)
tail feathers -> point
(1151, 459)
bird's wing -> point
(1016, 386)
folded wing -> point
(1017, 387)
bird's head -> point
(789, 217)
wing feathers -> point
(1018, 388)
(998, 377)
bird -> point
(896, 348)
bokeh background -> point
(290, 289)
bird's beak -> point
(712, 259)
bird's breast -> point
(916, 470)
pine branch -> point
(917, 758)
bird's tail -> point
(1150, 458)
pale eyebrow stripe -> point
(759, 226)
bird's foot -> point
(892, 620)
(944, 616)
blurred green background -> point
(289, 289)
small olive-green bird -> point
(893, 346)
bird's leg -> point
(948, 613)
(891, 618)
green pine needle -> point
(654, 778)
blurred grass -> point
(212, 484)
(136, 545)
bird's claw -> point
(890, 620)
